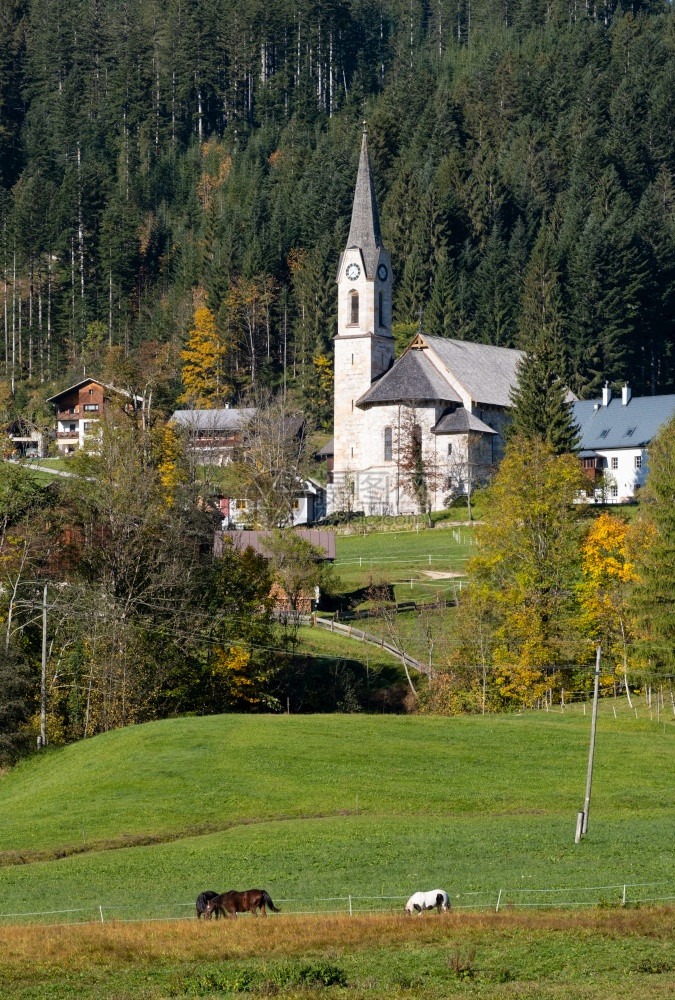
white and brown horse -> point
(436, 899)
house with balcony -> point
(211, 436)
(615, 436)
(81, 406)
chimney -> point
(625, 394)
(606, 394)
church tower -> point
(364, 346)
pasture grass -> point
(472, 804)
(332, 645)
(178, 776)
(397, 558)
(598, 954)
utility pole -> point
(43, 685)
(589, 774)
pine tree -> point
(540, 409)
(440, 317)
(494, 293)
(203, 358)
(411, 295)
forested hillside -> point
(156, 156)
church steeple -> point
(364, 345)
(364, 231)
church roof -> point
(413, 376)
(487, 373)
(364, 231)
(461, 421)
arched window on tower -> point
(380, 310)
(354, 300)
(388, 445)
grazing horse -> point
(202, 899)
(231, 903)
(437, 899)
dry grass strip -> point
(79, 945)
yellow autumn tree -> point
(204, 363)
(241, 679)
(525, 571)
(604, 592)
(323, 369)
(170, 462)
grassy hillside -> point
(470, 803)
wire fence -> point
(617, 894)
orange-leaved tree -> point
(204, 363)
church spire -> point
(364, 231)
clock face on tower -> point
(382, 272)
(353, 271)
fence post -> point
(350, 906)
(100, 910)
(623, 896)
(580, 825)
(499, 899)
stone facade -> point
(453, 399)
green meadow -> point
(315, 807)
(421, 565)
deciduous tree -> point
(528, 566)
(203, 363)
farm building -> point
(321, 539)
(28, 440)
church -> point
(414, 431)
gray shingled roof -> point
(461, 421)
(364, 231)
(617, 426)
(328, 449)
(212, 420)
(487, 373)
(412, 377)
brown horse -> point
(231, 903)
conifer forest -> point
(158, 158)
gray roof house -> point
(615, 437)
(213, 434)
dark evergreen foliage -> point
(149, 150)
(539, 406)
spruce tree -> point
(440, 317)
(540, 407)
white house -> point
(450, 397)
(309, 506)
(615, 436)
